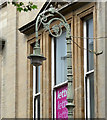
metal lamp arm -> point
(56, 31)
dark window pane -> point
(90, 45)
(37, 79)
(90, 95)
(91, 79)
(37, 107)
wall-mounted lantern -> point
(46, 18)
(36, 58)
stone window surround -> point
(77, 16)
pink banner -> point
(61, 95)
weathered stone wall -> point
(8, 62)
(106, 60)
(101, 59)
(14, 82)
(13, 62)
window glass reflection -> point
(61, 61)
(90, 45)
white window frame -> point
(35, 94)
(54, 87)
(86, 74)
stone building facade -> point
(26, 91)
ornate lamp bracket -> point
(46, 18)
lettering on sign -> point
(61, 95)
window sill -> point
(60, 85)
(37, 94)
(89, 72)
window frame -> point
(53, 78)
(36, 93)
(86, 71)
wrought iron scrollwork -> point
(46, 18)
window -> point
(59, 76)
(60, 59)
(36, 92)
(89, 69)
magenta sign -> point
(61, 95)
